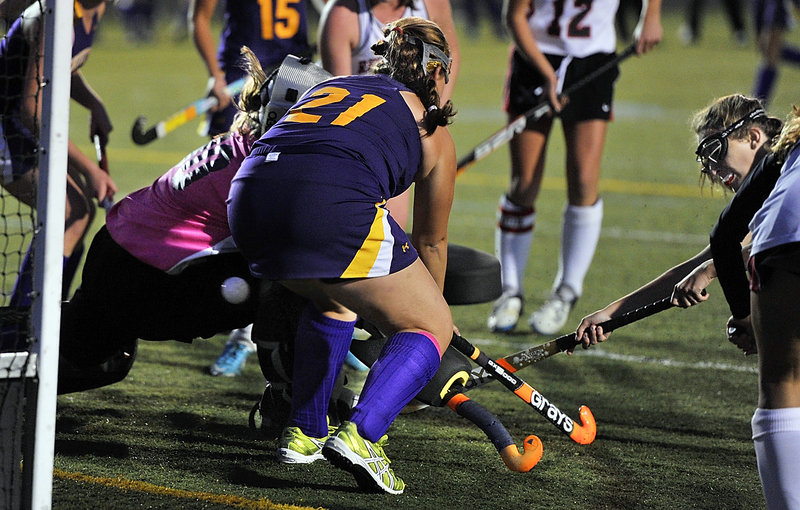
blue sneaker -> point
(232, 359)
(355, 363)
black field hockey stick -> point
(522, 359)
(517, 125)
(143, 135)
(583, 433)
(496, 432)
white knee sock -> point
(512, 243)
(776, 435)
(580, 230)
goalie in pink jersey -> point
(167, 249)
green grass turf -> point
(672, 399)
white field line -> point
(650, 236)
(630, 358)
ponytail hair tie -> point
(432, 107)
(399, 30)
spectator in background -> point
(475, 11)
(138, 18)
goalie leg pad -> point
(454, 369)
(73, 378)
(472, 276)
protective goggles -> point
(432, 56)
(713, 148)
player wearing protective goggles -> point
(713, 148)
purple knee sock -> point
(406, 364)
(319, 351)
(765, 82)
(21, 295)
(790, 54)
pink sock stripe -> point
(432, 339)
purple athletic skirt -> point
(296, 216)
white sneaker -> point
(686, 35)
(551, 317)
(505, 314)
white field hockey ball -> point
(235, 290)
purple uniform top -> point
(310, 200)
(18, 145)
(359, 117)
(271, 29)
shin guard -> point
(513, 238)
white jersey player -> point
(556, 44)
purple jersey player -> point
(326, 170)
(271, 30)
(20, 53)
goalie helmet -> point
(286, 85)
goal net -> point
(34, 102)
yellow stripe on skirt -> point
(374, 258)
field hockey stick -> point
(102, 162)
(517, 125)
(142, 136)
(496, 432)
(522, 359)
(581, 434)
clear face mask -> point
(712, 149)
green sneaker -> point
(298, 448)
(347, 450)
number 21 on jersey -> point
(332, 95)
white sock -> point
(580, 231)
(776, 436)
(512, 243)
(244, 336)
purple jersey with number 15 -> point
(271, 28)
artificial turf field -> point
(671, 397)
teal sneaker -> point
(298, 448)
(232, 360)
(365, 460)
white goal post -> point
(29, 361)
(50, 240)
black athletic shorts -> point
(592, 101)
(762, 265)
(122, 298)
